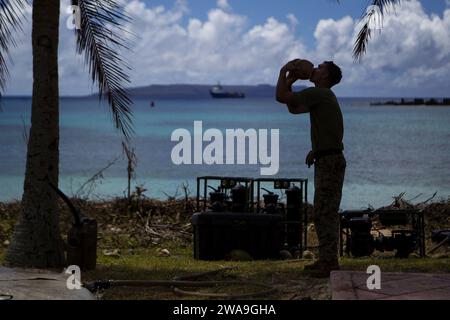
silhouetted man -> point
(327, 132)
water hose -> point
(190, 281)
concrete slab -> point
(351, 285)
(31, 284)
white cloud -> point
(292, 20)
(333, 36)
(222, 47)
(223, 4)
(410, 56)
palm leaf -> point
(365, 33)
(11, 16)
(100, 38)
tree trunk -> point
(37, 240)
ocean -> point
(389, 150)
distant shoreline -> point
(94, 96)
(405, 106)
(202, 91)
(417, 102)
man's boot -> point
(321, 268)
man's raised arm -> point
(284, 92)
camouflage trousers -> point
(329, 174)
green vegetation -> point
(287, 276)
(132, 237)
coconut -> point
(303, 69)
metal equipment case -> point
(232, 218)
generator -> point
(361, 232)
(229, 217)
(293, 209)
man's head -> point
(327, 74)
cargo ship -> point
(218, 92)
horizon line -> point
(95, 96)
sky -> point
(248, 41)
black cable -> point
(186, 281)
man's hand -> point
(310, 159)
(291, 78)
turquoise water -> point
(389, 150)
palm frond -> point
(365, 33)
(11, 17)
(100, 38)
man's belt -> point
(323, 153)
